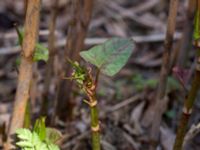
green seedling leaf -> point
(41, 138)
(172, 84)
(25, 144)
(41, 146)
(196, 34)
(36, 140)
(40, 128)
(170, 114)
(41, 53)
(79, 72)
(18, 61)
(20, 35)
(53, 147)
(52, 135)
(152, 83)
(24, 134)
(110, 56)
(76, 66)
(139, 82)
(25, 137)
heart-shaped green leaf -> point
(110, 56)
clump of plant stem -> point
(109, 58)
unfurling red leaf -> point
(181, 74)
(110, 56)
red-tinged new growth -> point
(85, 81)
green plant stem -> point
(95, 127)
(95, 124)
(189, 102)
(27, 117)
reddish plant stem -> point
(26, 66)
(160, 96)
